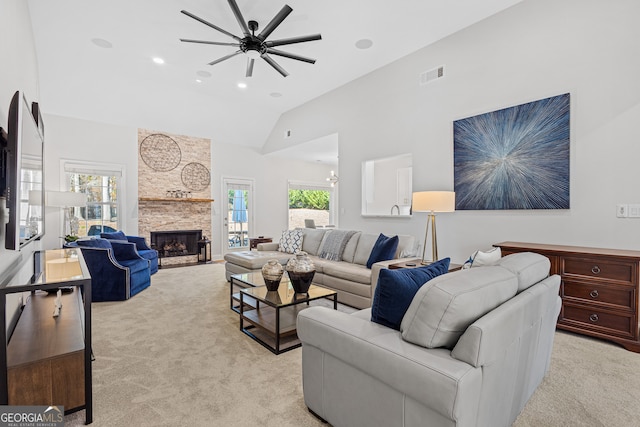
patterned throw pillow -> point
(291, 241)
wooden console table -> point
(600, 289)
(47, 361)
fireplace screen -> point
(176, 243)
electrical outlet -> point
(634, 211)
(622, 211)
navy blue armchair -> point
(117, 271)
(141, 246)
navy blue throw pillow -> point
(383, 250)
(117, 235)
(94, 243)
(396, 289)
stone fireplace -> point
(170, 165)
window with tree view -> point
(307, 202)
(101, 212)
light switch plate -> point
(622, 211)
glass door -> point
(238, 218)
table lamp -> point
(432, 202)
(66, 200)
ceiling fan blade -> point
(239, 17)
(250, 62)
(290, 55)
(209, 24)
(277, 20)
(293, 40)
(208, 42)
(274, 64)
(224, 58)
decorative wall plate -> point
(195, 176)
(160, 152)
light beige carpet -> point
(174, 356)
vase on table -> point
(272, 272)
(301, 271)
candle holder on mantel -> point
(204, 251)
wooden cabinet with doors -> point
(599, 289)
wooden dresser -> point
(599, 289)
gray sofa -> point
(350, 277)
(456, 360)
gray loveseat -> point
(473, 346)
(350, 277)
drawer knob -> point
(593, 317)
(594, 293)
(595, 269)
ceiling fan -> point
(256, 46)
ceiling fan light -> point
(253, 54)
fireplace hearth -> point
(175, 243)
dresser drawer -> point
(600, 320)
(622, 297)
(597, 267)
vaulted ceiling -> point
(95, 58)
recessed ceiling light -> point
(275, 94)
(364, 44)
(198, 81)
(205, 74)
(158, 60)
(242, 85)
(102, 43)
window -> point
(238, 222)
(101, 183)
(310, 201)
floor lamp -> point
(66, 200)
(432, 202)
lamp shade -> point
(434, 201)
(35, 197)
(65, 199)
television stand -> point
(47, 361)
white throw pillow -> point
(290, 241)
(490, 257)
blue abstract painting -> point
(514, 158)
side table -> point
(414, 263)
(254, 241)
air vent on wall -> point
(431, 75)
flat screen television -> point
(24, 174)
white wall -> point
(271, 175)
(74, 139)
(536, 49)
(19, 69)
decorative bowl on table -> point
(272, 272)
(301, 271)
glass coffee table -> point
(269, 317)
